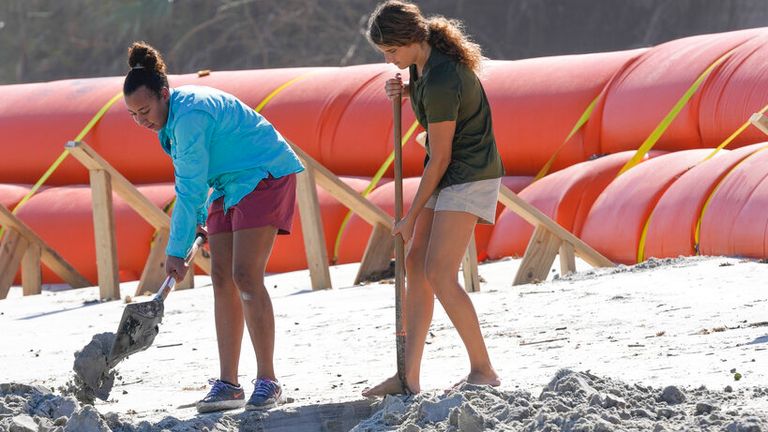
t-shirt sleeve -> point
(442, 95)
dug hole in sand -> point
(666, 345)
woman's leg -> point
(228, 309)
(449, 237)
(418, 306)
(252, 248)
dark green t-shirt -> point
(450, 91)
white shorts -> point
(478, 198)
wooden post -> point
(312, 229)
(19, 239)
(539, 256)
(12, 250)
(154, 269)
(104, 232)
(31, 273)
(567, 259)
(128, 192)
(537, 261)
(469, 267)
(378, 254)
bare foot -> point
(477, 378)
(390, 386)
(488, 378)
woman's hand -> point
(404, 229)
(175, 268)
(395, 87)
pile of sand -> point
(572, 402)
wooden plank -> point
(378, 254)
(154, 274)
(127, 191)
(567, 259)
(535, 217)
(12, 250)
(343, 193)
(539, 256)
(104, 233)
(50, 257)
(760, 121)
(31, 273)
(312, 229)
(469, 267)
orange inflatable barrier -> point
(615, 223)
(735, 222)
(565, 196)
(672, 225)
(640, 98)
(62, 217)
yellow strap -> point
(274, 92)
(63, 155)
(734, 135)
(697, 233)
(641, 245)
(374, 181)
(582, 120)
(670, 117)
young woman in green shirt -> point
(460, 183)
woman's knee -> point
(440, 276)
(247, 280)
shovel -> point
(139, 324)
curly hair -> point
(399, 23)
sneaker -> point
(266, 395)
(223, 396)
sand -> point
(659, 345)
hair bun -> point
(143, 55)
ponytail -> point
(447, 35)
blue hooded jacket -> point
(216, 141)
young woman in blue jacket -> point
(221, 146)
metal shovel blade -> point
(137, 330)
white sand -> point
(686, 322)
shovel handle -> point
(170, 282)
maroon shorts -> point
(271, 203)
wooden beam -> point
(104, 232)
(535, 217)
(31, 274)
(127, 191)
(469, 267)
(539, 256)
(760, 121)
(12, 250)
(312, 229)
(378, 254)
(343, 193)
(50, 257)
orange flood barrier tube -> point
(340, 117)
